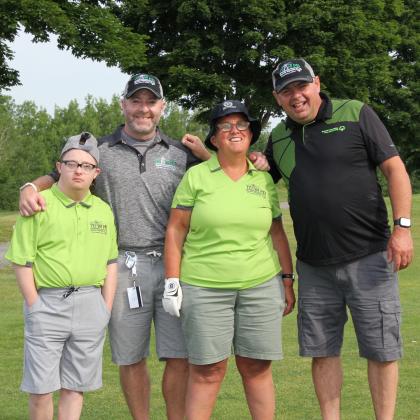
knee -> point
(179, 366)
(139, 368)
(251, 368)
(38, 400)
(212, 373)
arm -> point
(400, 244)
(110, 284)
(281, 245)
(196, 146)
(26, 282)
(31, 201)
(176, 232)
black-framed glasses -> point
(227, 126)
(73, 165)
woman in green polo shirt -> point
(224, 241)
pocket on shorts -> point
(391, 322)
(35, 307)
(107, 311)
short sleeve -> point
(379, 144)
(113, 253)
(184, 197)
(23, 245)
(274, 198)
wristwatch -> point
(288, 276)
(403, 222)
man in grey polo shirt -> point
(141, 168)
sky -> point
(51, 76)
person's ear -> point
(277, 98)
(213, 141)
(97, 172)
(58, 167)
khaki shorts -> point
(129, 329)
(249, 319)
(64, 339)
(369, 288)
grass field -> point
(295, 396)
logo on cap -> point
(289, 68)
(228, 104)
(144, 78)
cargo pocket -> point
(391, 322)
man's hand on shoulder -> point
(259, 161)
(30, 201)
(196, 146)
(400, 248)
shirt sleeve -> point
(274, 198)
(23, 245)
(379, 144)
(184, 197)
(113, 252)
(274, 172)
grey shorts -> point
(369, 288)
(249, 319)
(129, 329)
(64, 340)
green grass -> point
(7, 219)
(295, 396)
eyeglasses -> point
(227, 126)
(73, 165)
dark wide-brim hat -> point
(227, 108)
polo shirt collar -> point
(117, 137)
(324, 112)
(68, 202)
(214, 165)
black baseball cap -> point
(143, 81)
(226, 108)
(294, 70)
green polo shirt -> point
(68, 244)
(228, 244)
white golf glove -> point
(172, 296)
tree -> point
(87, 28)
(205, 51)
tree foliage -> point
(208, 50)
(31, 140)
(205, 51)
(87, 28)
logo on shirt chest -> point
(256, 190)
(334, 129)
(163, 163)
(98, 227)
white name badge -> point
(134, 297)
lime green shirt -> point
(68, 244)
(228, 244)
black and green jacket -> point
(329, 167)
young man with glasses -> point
(141, 168)
(65, 262)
